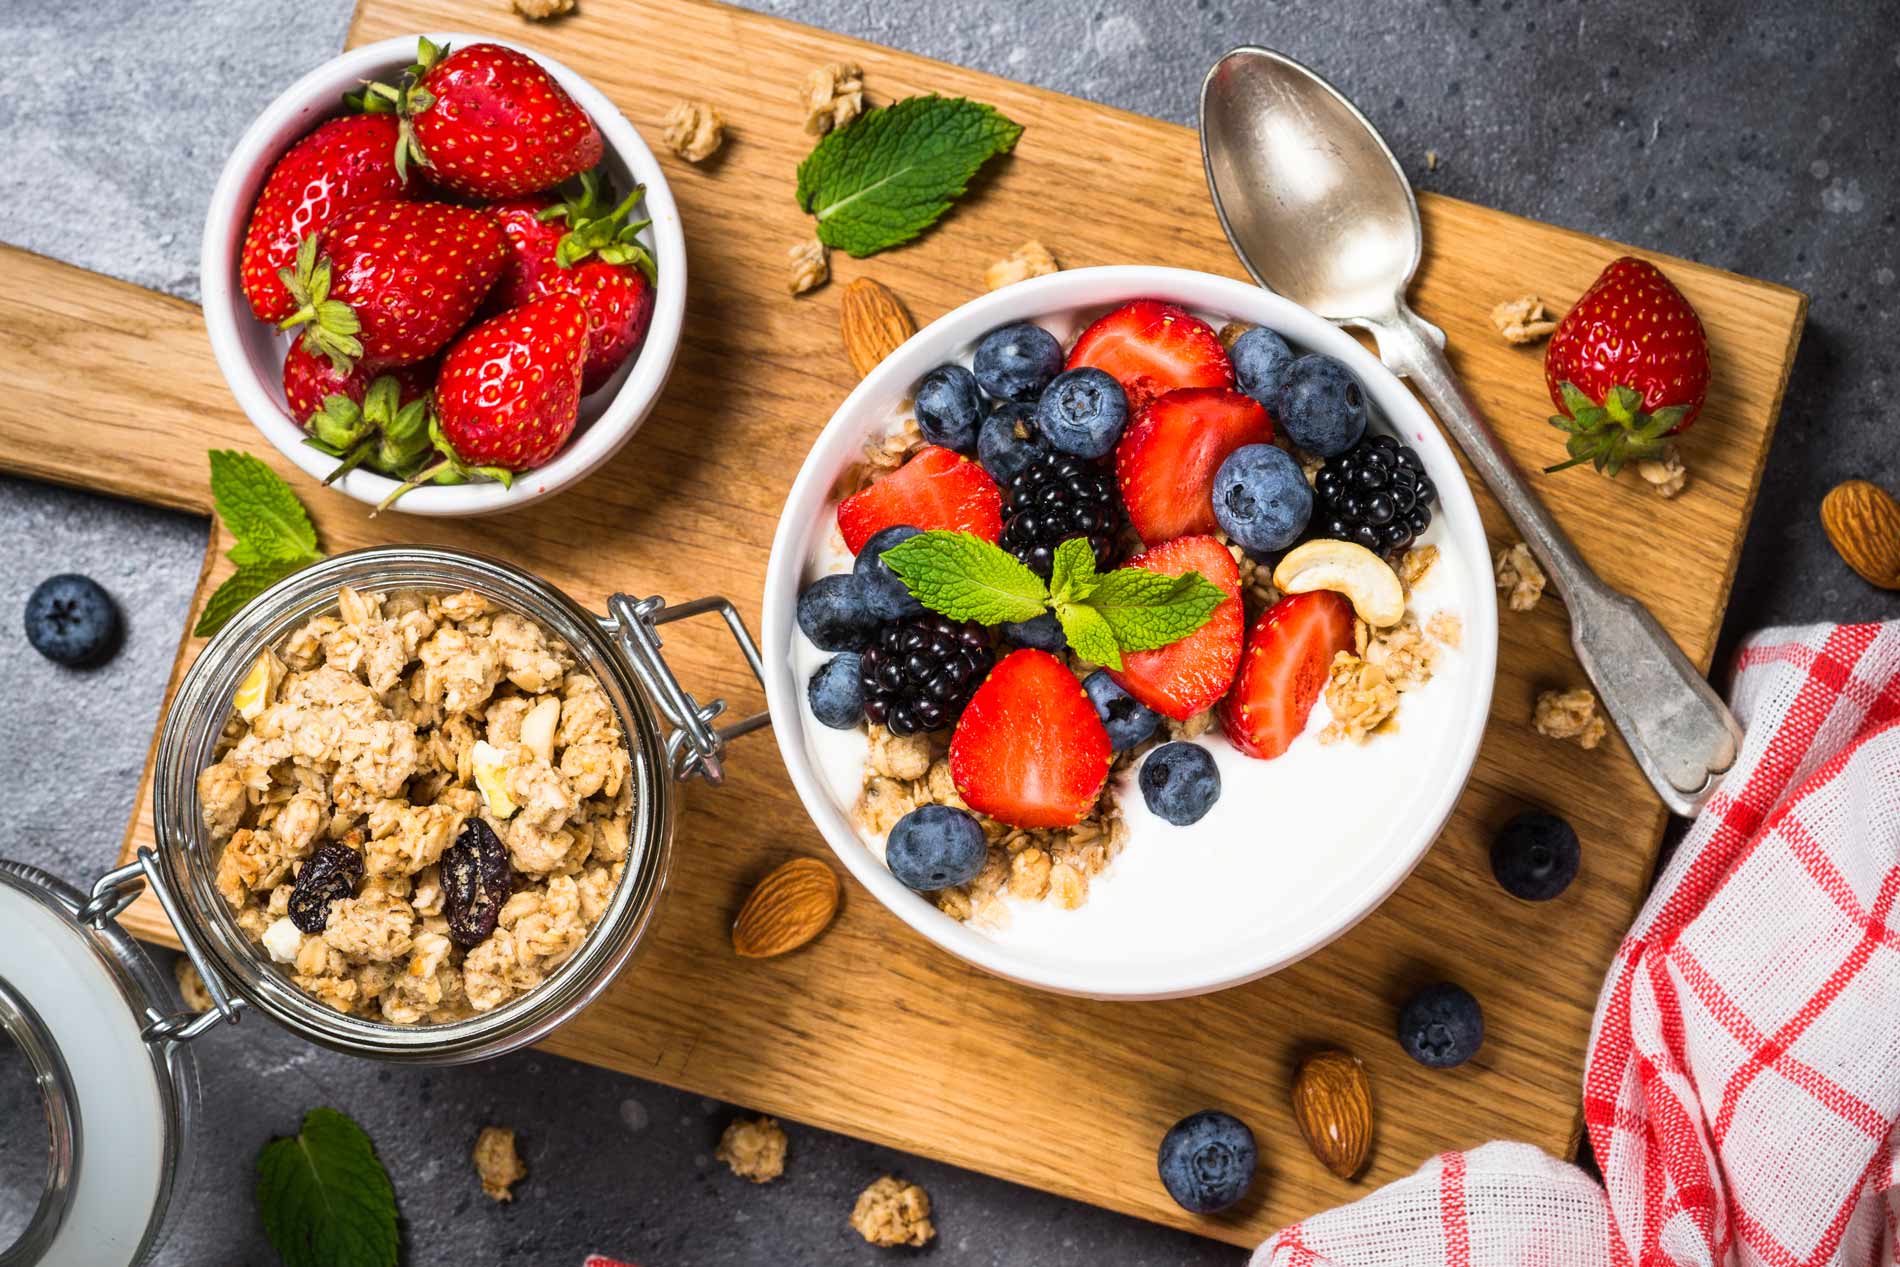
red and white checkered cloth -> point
(1743, 1082)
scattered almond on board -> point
(788, 908)
(873, 322)
(1863, 521)
(1332, 1104)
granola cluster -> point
(832, 96)
(1363, 685)
(497, 1164)
(1031, 259)
(1519, 577)
(892, 1212)
(1569, 715)
(753, 1148)
(694, 130)
(381, 729)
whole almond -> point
(1332, 1102)
(787, 908)
(873, 322)
(1863, 522)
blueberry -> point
(1535, 856)
(948, 408)
(1207, 1161)
(1083, 413)
(1261, 359)
(884, 594)
(1441, 1026)
(1043, 632)
(836, 698)
(936, 847)
(835, 614)
(1127, 720)
(1322, 406)
(71, 621)
(1016, 362)
(1009, 441)
(1180, 782)
(1261, 497)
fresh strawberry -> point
(510, 389)
(392, 282)
(486, 121)
(1627, 366)
(1181, 679)
(1289, 653)
(587, 247)
(1168, 455)
(345, 163)
(1151, 347)
(1030, 750)
(937, 488)
(310, 378)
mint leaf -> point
(260, 510)
(1072, 575)
(893, 172)
(966, 578)
(1090, 635)
(1148, 609)
(239, 588)
(326, 1200)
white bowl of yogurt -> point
(1297, 849)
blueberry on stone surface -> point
(72, 621)
(948, 408)
(1535, 856)
(936, 847)
(1261, 497)
(1207, 1161)
(1180, 782)
(837, 699)
(885, 595)
(1322, 407)
(1441, 1026)
(1082, 413)
(1043, 632)
(1261, 359)
(1008, 441)
(1016, 362)
(1126, 719)
(835, 614)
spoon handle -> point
(1683, 736)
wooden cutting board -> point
(870, 1030)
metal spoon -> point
(1319, 210)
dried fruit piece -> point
(329, 875)
(1863, 522)
(873, 323)
(789, 907)
(1332, 1103)
(477, 879)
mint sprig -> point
(274, 536)
(325, 1198)
(1103, 615)
(892, 173)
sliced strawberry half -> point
(1150, 347)
(937, 488)
(1168, 455)
(1029, 750)
(1181, 679)
(1284, 670)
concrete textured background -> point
(1754, 136)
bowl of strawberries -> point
(444, 274)
(1130, 632)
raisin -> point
(330, 875)
(476, 881)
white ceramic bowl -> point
(251, 354)
(1361, 873)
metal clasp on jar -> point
(697, 747)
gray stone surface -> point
(1754, 136)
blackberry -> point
(1054, 498)
(1375, 494)
(918, 674)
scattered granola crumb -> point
(754, 1147)
(1665, 474)
(1519, 577)
(811, 266)
(833, 95)
(1404, 653)
(497, 1162)
(892, 1212)
(1569, 715)
(541, 10)
(191, 986)
(1231, 332)
(694, 130)
(1523, 320)
(1360, 697)
(1031, 259)
(1447, 628)
(1414, 564)
(1431, 160)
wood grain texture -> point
(869, 1030)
